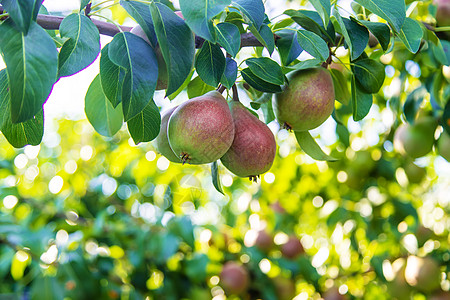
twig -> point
(221, 88)
(235, 93)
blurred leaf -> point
(196, 267)
(413, 103)
(309, 145)
(182, 227)
(46, 288)
(216, 178)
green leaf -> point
(411, 35)
(266, 69)
(446, 47)
(182, 87)
(313, 44)
(258, 83)
(230, 74)
(210, 63)
(413, 103)
(356, 36)
(437, 48)
(141, 13)
(46, 287)
(310, 147)
(145, 126)
(196, 267)
(105, 119)
(183, 228)
(380, 30)
(445, 120)
(306, 64)
(176, 42)
(22, 12)
(198, 87)
(18, 135)
(361, 101)
(31, 62)
(265, 36)
(83, 4)
(344, 134)
(215, 177)
(199, 13)
(323, 7)
(340, 87)
(229, 37)
(305, 19)
(393, 11)
(369, 74)
(138, 59)
(288, 46)
(252, 9)
(82, 46)
(111, 78)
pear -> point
(444, 145)
(415, 140)
(292, 248)
(234, 278)
(308, 100)
(162, 141)
(201, 130)
(163, 77)
(254, 147)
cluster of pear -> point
(207, 128)
(417, 140)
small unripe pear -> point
(264, 241)
(253, 149)
(162, 141)
(308, 100)
(444, 145)
(442, 295)
(415, 140)
(201, 130)
(234, 278)
(423, 273)
(292, 248)
(414, 173)
(163, 77)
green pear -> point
(444, 145)
(234, 278)
(201, 130)
(162, 141)
(307, 101)
(423, 273)
(253, 149)
(163, 76)
(415, 140)
(414, 173)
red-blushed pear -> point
(264, 241)
(284, 288)
(163, 77)
(201, 130)
(423, 273)
(292, 248)
(253, 149)
(442, 295)
(307, 101)
(443, 12)
(234, 278)
(415, 140)
(162, 141)
(444, 145)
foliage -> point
(97, 216)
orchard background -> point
(88, 214)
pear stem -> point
(235, 93)
(221, 88)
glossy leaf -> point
(361, 101)
(340, 87)
(18, 135)
(198, 87)
(210, 63)
(105, 119)
(313, 44)
(393, 11)
(82, 46)
(230, 74)
(141, 13)
(306, 64)
(265, 37)
(323, 7)
(310, 147)
(411, 35)
(356, 36)
(380, 30)
(111, 78)
(288, 46)
(369, 74)
(23, 12)
(83, 4)
(199, 13)
(258, 83)
(145, 126)
(229, 37)
(311, 21)
(31, 62)
(176, 42)
(215, 177)
(252, 9)
(138, 59)
(266, 69)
